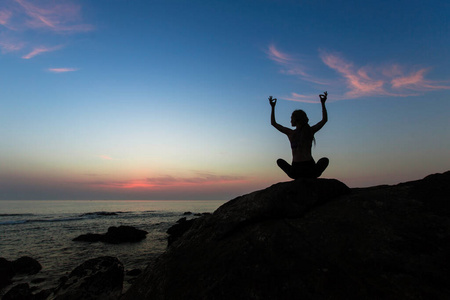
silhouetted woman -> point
(301, 138)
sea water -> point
(44, 231)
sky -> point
(167, 99)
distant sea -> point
(44, 231)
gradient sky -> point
(168, 99)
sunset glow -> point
(168, 100)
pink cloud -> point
(358, 81)
(277, 55)
(5, 15)
(39, 50)
(291, 66)
(382, 81)
(9, 46)
(62, 18)
(363, 81)
(200, 179)
(303, 98)
(416, 81)
(65, 70)
(104, 157)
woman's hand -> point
(323, 97)
(273, 101)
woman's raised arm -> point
(319, 125)
(273, 102)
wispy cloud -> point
(170, 181)
(59, 17)
(62, 70)
(104, 157)
(5, 15)
(416, 81)
(200, 178)
(381, 81)
(26, 24)
(363, 81)
(291, 65)
(359, 81)
(39, 50)
(7, 46)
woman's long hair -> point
(301, 120)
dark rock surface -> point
(115, 235)
(26, 265)
(98, 278)
(6, 272)
(19, 292)
(178, 229)
(23, 265)
(124, 234)
(312, 239)
(134, 272)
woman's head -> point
(299, 118)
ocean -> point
(44, 231)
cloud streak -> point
(366, 81)
(63, 70)
(24, 21)
(382, 81)
(39, 50)
(10, 46)
(291, 65)
(200, 179)
(5, 15)
(59, 17)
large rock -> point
(115, 235)
(310, 239)
(6, 272)
(99, 278)
(26, 265)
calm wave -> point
(44, 230)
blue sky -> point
(168, 99)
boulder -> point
(312, 239)
(115, 235)
(23, 265)
(124, 234)
(26, 265)
(98, 278)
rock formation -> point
(23, 265)
(99, 278)
(312, 239)
(115, 235)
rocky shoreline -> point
(304, 239)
